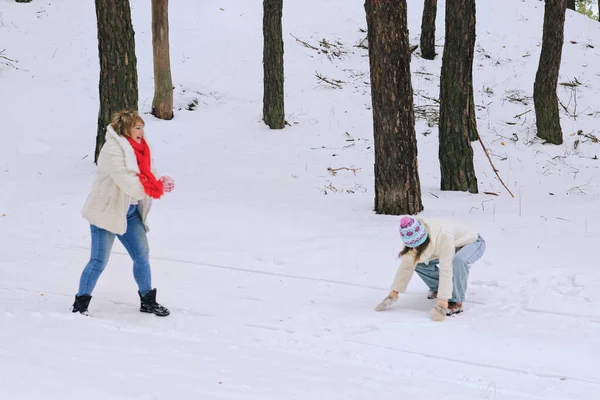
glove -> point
(438, 313)
(168, 183)
(388, 301)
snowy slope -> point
(271, 265)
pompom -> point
(405, 221)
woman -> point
(441, 251)
(118, 205)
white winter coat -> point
(116, 185)
(445, 235)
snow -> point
(270, 264)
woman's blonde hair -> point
(124, 120)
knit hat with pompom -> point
(412, 231)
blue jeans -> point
(464, 257)
(135, 242)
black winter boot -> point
(81, 304)
(149, 304)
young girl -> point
(118, 205)
(441, 251)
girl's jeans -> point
(461, 264)
(135, 242)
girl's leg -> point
(136, 243)
(430, 274)
(102, 241)
(461, 265)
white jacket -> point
(115, 186)
(445, 235)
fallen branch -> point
(335, 170)
(564, 107)
(333, 82)
(9, 61)
(520, 115)
(305, 44)
(493, 167)
(574, 83)
(593, 138)
(362, 44)
(430, 98)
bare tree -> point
(457, 122)
(162, 104)
(118, 63)
(397, 185)
(273, 104)
(428, 29)
(545, 99)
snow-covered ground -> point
(270, 264)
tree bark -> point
(428, 30)
(118, 63)
(473, 133)
(545, 99)
(571, 4)
(457, 121)
(162, 104)
(273, 104)
(397, 185)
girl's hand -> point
(388, 301)
(439, 311)
(442, 303)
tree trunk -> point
(545, 99)
(397, 185)
(273, 107)
(457, 122)
(118, 63)
(162, 105)
(428, 30)
(473, 133)
(571, 4)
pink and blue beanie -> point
(412, 231)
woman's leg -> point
(136, 243)
(102, 241)
(430, 274)
(461, 265)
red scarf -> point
(152, 186)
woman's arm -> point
(112, 161)
(446, 252)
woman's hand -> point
(168, 183)
(388, 301)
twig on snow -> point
(336, 83)
(305, 44)
(335, 170)
(493, 167)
